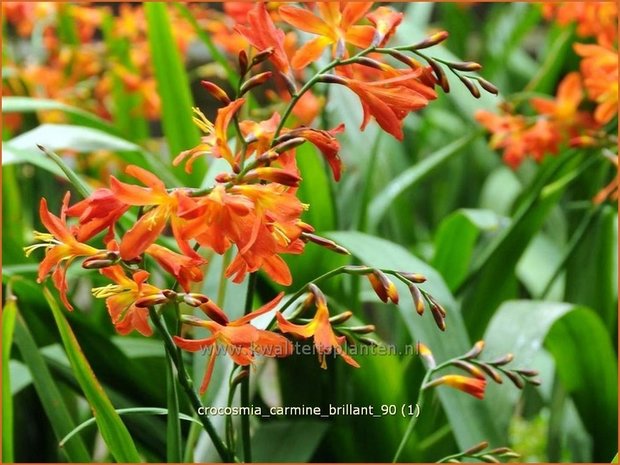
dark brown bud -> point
(477, 448)
(341, 317)
(254, 81)
(151, 301)
(493, 374)
(262, 56)
(289, 144)
(365, 61)
(216, 92)
(332, 79)
(515, 378)
(489, 87)
(418, 300)
(413, 277)
(527, 373)
(324, 242)
(534, 381)
(431, 41)
(470, 368)
(502, 360)
(471, 87)
(465, 66)
(414, 64)
(243, 62)
(440, 75)
(499, 450)
(96, 264)
(475, 350)
(440, 321)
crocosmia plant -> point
(257, 238)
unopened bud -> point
(216, 91)
(440, 320)
(423, 351)
(440, 75)
(489, 87)
(365, 61)
(262, 56)
(321, 301)
(471, 87)
(477, 448)
(511, 455)
(475, 350)
(527, 373)
(533, 381)
(195, 300)
(224, 177)
(488, 458)
(341, 317)
(277, 175)
(470, 368)
(96, 264)
(516, 379)
(151, 301)
(267, 157)
(412, 63)
(289, 144)
(492, 373)
(435, 39)
(324, 242)
(214, 312)
(255, 81)
(499, 450)
(169, 293)
(465, 66)
(503, 360)
(366, 329)
(243, 62)
(332, 79)
(418, 300)
(413, 277)
(383, 287)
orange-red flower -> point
(98, 211)
(600, 74)
(263, 34)
(165, 207)
(388, 100)
(215, 142)
(325, 340)
(240, 339)
(185, 269)
(472, 386)
(334, 24)
(595, 19)
(61, 248)
(385, 20)
(564, 109)
(128, 299)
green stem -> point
(187, 384)
(414, 419)
(245, 384)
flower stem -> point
(186, 383)
(245, 384)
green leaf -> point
(482, 290)
(287, 441)
(126, 411)
(173, 424)
(9, 313)
(584, 359)
(48, 392)
(15, 156)
(472, 421)
(173, 88)
(408, 178)
(456, 239)
(111, 427)
(78, 116)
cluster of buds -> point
(479, 370)
(481, 453)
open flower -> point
(325, 340)
(334, 24)
(98, 211)
(185, 269)
(128, 299)
(165, 207)
(385, 20)
(61, 248)
(240, 339)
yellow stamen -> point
(109, 290)
(202, 121)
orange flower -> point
(335, 26)
(60, 246)
(600, 72)
(325, 340)
(388, 100)
(262, 34)
(127, 300)
(507, 133)
(596, 19)
(564, 108)
(184, 269)
(165, 206)
(472, 386)
(99, 211)
(385, 20)
(240, 339)
(215, 142)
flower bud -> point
(214, 312)
(489, 87)
(93, 263)
(288, 144)
(412, 63)
(427, 356)
(477, 448)
(502, 360)
(470, 368)
(224, 177)
(418, 300)
(278, 175)
(383, 287)
(471, 87)
(440, 75)
(488, 458)
(413, 277)
(365, 61)
(216, 91)
(243, 62)
(366, 329)
(254, 81)
(262, 56)
(430, 41)
(321, 301)
(465, 66)
(493, 374)
(324, 242)
(527, 373)
(332, 79)
(475, 350)
(515, 378)
(341, 317)
(195, 300)
(151, 300)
